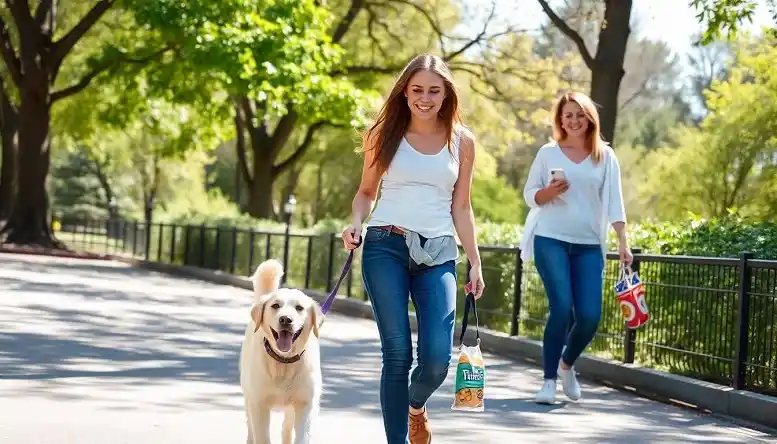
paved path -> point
(94, 352)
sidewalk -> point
(97, 352)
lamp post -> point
(288, 209)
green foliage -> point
(278, 53)
(723, 17)
(724, 164)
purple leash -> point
(331, 298)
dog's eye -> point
(276, 306)
(299, 308)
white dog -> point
(280, 365)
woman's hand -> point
(557, 187)
(475, 284)
(352, 236)
(625, 254)
(551, 191)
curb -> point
(666, 387)
(53, 252)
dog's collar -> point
(279, 358)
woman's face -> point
(425, 93)
(573, 120)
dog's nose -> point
(285, 320)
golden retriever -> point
(280, 365)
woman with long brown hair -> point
(574, 192)
(421, 158)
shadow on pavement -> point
(117, 334)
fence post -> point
(147, 240)
(251, 247)
(308, 260)
(330, 262)
(174, 229)
(186, 235)
(517, 293)
(233, 254)
(743, 322)
(629, 335)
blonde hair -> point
(594, 142)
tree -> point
(34, 65)
(9, 122)
(729, 162)
(606, 65)
(724, 17)
(268, 65)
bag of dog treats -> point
(471, 369)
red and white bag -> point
(630, 294)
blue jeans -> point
(390, 276)
(572, 275)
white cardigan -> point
(611, 194)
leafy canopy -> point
(277, 52)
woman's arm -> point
(364, 200)
(535, 193)
(534, 183)
(616, 207)
(461, 208)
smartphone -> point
(557, 174)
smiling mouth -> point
(424, 108)
(285, 338)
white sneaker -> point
(569, 382)
(547, 395)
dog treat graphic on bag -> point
(470, 380)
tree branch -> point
(282, 132)
(44, 7)
(12, 62)
(301, 149)
(91, 75)
(348, 19)
(62, 47)
(569, 32)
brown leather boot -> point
(420, 432)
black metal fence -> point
(713, 319)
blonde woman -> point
(574, 192)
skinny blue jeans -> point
(572, 275)
(391, 278)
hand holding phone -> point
(557, 174)
(558, 183)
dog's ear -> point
(316, 318)
(257, 312)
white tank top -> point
(417, 190)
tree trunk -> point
(8, 130)
(28, 223)
(260, 199)
(607, 70)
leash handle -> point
(332, 294)
(469, 301)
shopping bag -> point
(470, 369)
(630, 294)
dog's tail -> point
(267, 277)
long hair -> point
(594, 142)
(393, 119)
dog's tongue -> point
(284, 340)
